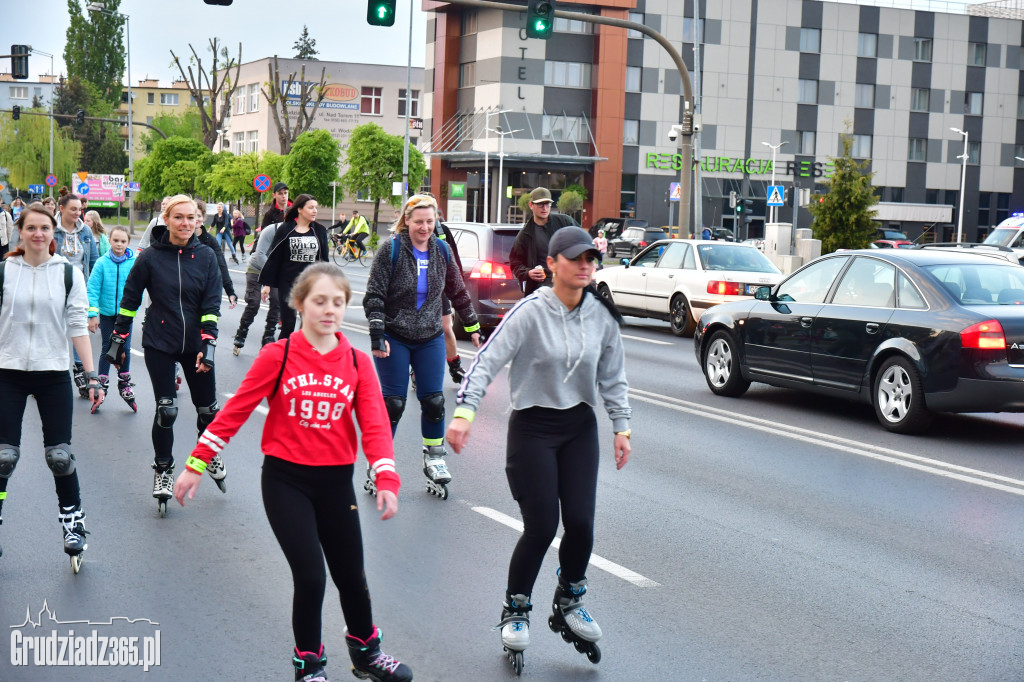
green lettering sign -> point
(456, 190)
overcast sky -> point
(264, 27)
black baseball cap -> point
(571, 242)
(278, 186)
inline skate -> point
(570, 619)
(163, 485)
(309, 665)
(267, 339)
(370, 484)
(80, 382)
(515, 628)
(72, 519)
(455, 370)
(124, 388)
(436, 471)
(217, 472)
(370, 663)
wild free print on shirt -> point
(303, 248)
(319, 400)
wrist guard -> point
(116, 350)
(209, 345)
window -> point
(1018, 155)
(150, 98)
(1020, 106)
(868, 282)
(125, 144)
(811, 284)
(169, 99)
(240, 101)
(972, 103)
(123, 118)
(806, 142)
(867, 45)
(567, 128)
(19, 92)
(922, 49)
(467, 74)
(637, 17)
(573, 25)
(149, 119)
(254, 97)
(567, 74)
(469, 21)
(808, 92)
(976, 54)
(974, 153)
(984, 201)
(369, 102)
(917, 149)
(414, 103)
(931, 196)
(238, 143)
(688, 30)
(634, 76)
(896, 195)
(627, 195)
(909, 296)
(861, 147)
(1002, 207)
(810, 40)
(919, 99)
(864, 96)
(631, 131)
(124, 97)
(253, 141)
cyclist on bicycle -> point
(357, 230)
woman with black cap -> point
(565, 351)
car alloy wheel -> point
(721, 367)
(899, 398)
(680, 320)
(604, 292)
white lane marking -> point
(882, 454)
(138, 353)
(595, 560)
(640, 338)
(262, 409)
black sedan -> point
(910, 332)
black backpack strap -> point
(280, 373)
(68, 281)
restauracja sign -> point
(725, 164)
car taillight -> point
(725, 288)
(986, 335)
(642, 244)
(486, 269)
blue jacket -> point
(106, 284)
(90, 253)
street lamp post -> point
(774, 148)
(47, 54)
(501, 166)
(101, 8)
(408, 114)
(487, 159)
(963, 184)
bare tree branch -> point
(208, 86)
(277, 92)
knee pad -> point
(166, 412)
(433, 407)
(60, 460)
(205, 416)
(396, 406)
(9, 455)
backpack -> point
(68, 268)
(284, 361)
(248, 228)
(394, 252)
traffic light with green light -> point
(381, 12)
(540, 19)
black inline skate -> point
(72, 519)
(309, 665)
(80, 382)
(238, 343)
(515, 628)
(572, 621)
(267, 339)
(124, 388)
(163, 485)
(370, 663)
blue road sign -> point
(261, 182)
(83, 189)
(51, 180)
(134, 187)
(776, 195)
(35, 189)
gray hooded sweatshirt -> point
(560, 358)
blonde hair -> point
(411, 204)
(97, 224)
(174, 201)
(304, 282)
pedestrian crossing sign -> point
(775, 195)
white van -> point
(1009, 233)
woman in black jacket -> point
(298, 242)
(183, 281)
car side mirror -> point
(763, 294)
(624, 261)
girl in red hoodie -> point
(314, 380)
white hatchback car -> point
(678, 279)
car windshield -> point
(734, 257)
(1001, 236)
(981, 283)
(503, 244)
(893, 234)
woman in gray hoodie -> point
(565, 351)
(75, 242)
(43, 301)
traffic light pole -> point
(90, 118)
(687, 147)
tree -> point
(94, 49)
(312, 164)
(186, 124)
(844, 218)
(303, 96)
(25, 148)
(176, 165)
(230, 178)
(102, 149)
(570, 202)
(374, 161)
(214, 88)
(305, 47)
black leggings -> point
(239, 242)
(551, 460)
(202, 387)
(54, 399)
(312, 511)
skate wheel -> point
(579, 646)
(162, 508)
(594, 654)
(444, 492)
(135, 408)
(516, 659)
(552, 624)
(76, 563)
(236, 350)
(222, 484)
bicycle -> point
(347, 250)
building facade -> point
(151, 100)
(595, 105)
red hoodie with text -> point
(310, 417)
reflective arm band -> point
(3, 496)
(94, 310)
(464, 413)
(207, 318)
(126, 312)
(196, 465)
(474, 328)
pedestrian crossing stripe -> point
(775, 196)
